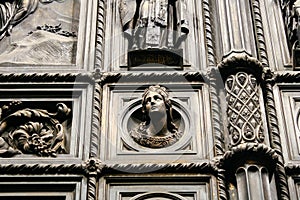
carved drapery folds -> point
(291, 16)
(32, 131)
(290, 11)
(154, 23)
(243, 111)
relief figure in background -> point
(13, 12)
(154, 23)
(157, 130)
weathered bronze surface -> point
(152, 57)
(154, 24)
(149, 99)
(157, 129)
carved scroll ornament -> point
(157, 130)
(243, 111)
(32, 131)
(13, 12)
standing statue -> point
(154, 23)
(13, 12)
(157, 130)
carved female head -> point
(155, 101)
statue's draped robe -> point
(154, 23)
(14, 11)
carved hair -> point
(162, 91)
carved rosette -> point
(32, 131)
(243, 111)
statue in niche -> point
(13, 12)
(154, 23)
(157, 130)
(32, 131)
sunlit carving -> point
(32, 131)
(244, 115)
(154, 23)
(13, 12)
(157, 130)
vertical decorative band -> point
(100, 34)
(214, 83)
(243, 111)
(275, 137)
(209, 35)
(263, 57)
(92, 186)
(96, 121)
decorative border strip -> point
(96, 120)
(95, 167)
(274, 132)
(153, 77)
(105, 77)
(199, 167)
(262, 50)
(287, 77)
(219, 146)
(45, 77)
(42, 169)
(100, 34)
(209, 34)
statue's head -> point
(155, 100)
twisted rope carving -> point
(287, 77)
(219, 145)
(96, 120)
(92, 186)
(209, 35)
(201, 167)
(100, 34)
(45, 77)
(263, 57)
(41, 169)
(153, 77)
(216, 112)
(275, 140)
(222, 185)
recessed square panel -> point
(42, 187)
(288, 112)
(124, 117)
(44, 121)
(162, 188)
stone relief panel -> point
(39, 32)
(26, 130)
(288, 105)
(243, 109)
(160, 29)
(44, 121)
(155, 120)
(162, 188)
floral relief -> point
(32, 131)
